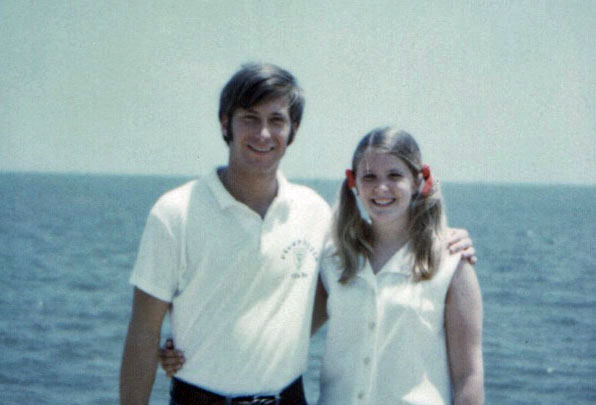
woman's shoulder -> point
(330, 260)
(447, 262)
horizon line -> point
(298, 179)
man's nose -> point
(265, 131)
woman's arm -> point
(319, 312)
(463, 323)
(170, 359)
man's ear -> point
(223, 122)
(226, 131)
(293, 130)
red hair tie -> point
(350, 178)
(428, 180)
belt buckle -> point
(257, 400)
(264, 400)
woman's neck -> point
(386, 241)
(390, 233)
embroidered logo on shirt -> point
(299, 251)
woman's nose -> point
(382, 186)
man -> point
(233, 256)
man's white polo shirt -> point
(241, 287)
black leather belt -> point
(183, 393)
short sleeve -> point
(156, 268)
(329, 266)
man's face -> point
(259, 136)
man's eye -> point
(395, 175)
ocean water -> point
(68, 243)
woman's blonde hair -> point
(353, 235)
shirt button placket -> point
(367, 360)
(372, 329)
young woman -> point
(404, 314)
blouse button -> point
(372, 325)
(361, 395)
(366, 361)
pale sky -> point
(494, 91)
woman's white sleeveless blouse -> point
(386, 335)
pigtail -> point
(351, 234)
(427, 222)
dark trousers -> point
(183, 393)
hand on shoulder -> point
(458, 240)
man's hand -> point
(458, 240)
(170, 359)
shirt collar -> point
(399, 263)
(225, 199)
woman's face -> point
(385, 186)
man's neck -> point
(255, 190)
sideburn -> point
(229, 134)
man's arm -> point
(139, 360)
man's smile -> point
(260, 149)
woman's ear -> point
(418, 181)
